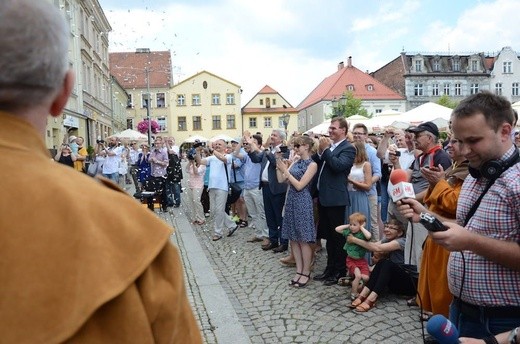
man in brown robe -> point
(79, 261)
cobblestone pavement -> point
(270, 311)
(240, 294)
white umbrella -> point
(222, 137)
(130, 135)
(193, 138)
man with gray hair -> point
(76, 267)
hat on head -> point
(236, 140)
(426, 126)
(72, 138)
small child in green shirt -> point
(357, 265)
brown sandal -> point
(365, 306)
(360, 299)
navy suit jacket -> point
(262, 157)
(332, 187)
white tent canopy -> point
(130, 134)
(426, 112)
(323, 128)
(193, 138)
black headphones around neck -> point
(492, 169)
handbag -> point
(92, 169)
(234, 189)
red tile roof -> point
(129, 68)
(274, 109)
(336, 84)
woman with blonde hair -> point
(359, 183)
(298, 220)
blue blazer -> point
(332, 180)
(262, 157)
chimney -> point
(349, 61)
(341, 65)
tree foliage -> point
(448, 102)
(353, 106)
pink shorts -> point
(361, 264)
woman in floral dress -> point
(298, 220)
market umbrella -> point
(130, 135)
(194, 138)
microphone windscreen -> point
(398, 176)
(442, 329)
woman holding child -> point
(388, 271)
(298, 220)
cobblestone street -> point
(240, 294)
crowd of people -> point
(80, 275)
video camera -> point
(191, 152)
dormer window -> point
(436, 66)
(350, 87)
(370, 87)
(456, 65)
(418, 65)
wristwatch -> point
(513, 335)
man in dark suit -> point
(335, 158)
(272, 191)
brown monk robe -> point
(81, 262)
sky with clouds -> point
(292, 45)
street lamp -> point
(148, 107)
(338, 105)
(285, 119)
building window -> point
(418, 65)
(160, 100)
(215, 122)
(474, 88)
(230, 99)
(458, 89)
(418, 89)
(215, 99)
(507, 67)
(230, 122)
(435, 89)
(267, 103)
(197, 122)
(144, 100)
(163, 126)
(261, 102)
(447, 89)
(370, 87)
(130, 101)
(252, 122)
(456, 65)
(498, 88)
(267, 122)
(436, 66)
(129, 123)
(182, 123)
(379, 111)
(195, 99)
(474, 65)
(515, 89)
(181, 100)
(274, 101)
(350, 87)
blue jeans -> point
(173, 192)
(113, 177)
(385, 198)
(482, 327)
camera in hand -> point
(198, 144)
(283, 149)
(431, 223)
(397, 153)
(100, 141)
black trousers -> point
(387, 274)
(330, 218)
(204, 199)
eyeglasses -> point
(358, 133)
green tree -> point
(448, 102)
(352, 106)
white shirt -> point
(111, 163)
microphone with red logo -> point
(443, 330)
(400, 187)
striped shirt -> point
(487, 283)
